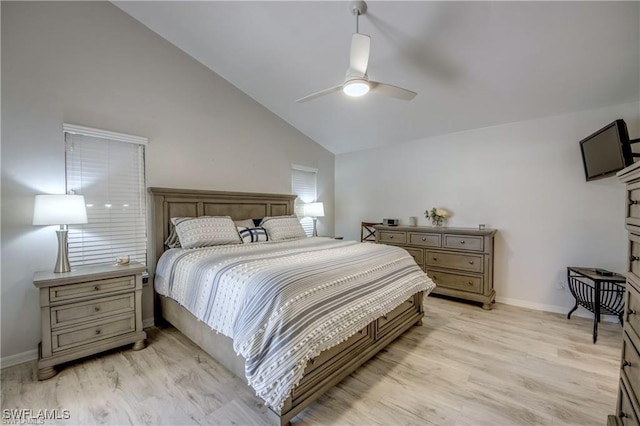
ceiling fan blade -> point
(319, 94)
(392, 91)
(360, 45)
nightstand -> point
(88, 310)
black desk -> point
(600, 294)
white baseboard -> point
(581, 312)
(11, 360)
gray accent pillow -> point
(283, 228)
(205, 231)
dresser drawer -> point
(73, 313)
(88, 333)
(417, 255)
(426, 240)
(631, 363)
(632, 310)
(395, 237)
(470, 283)
(634, 255)
(633, 204)
(91, 289)
(626, 412)
(464, 242)
(408, 306)
(464, 262)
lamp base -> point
(62, 263)
(315, 229)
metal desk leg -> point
(596, 314)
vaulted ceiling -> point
(473, 64)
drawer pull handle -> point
(622, 415)
(634, 201)
(634, 258)
(435, 258)
(96, 308)
(424, 238)
(630, 312)
(471, 262)
(435, 278)
(385, 317)
(98, 331)
(312, 361)
(96, 288)
(626, 363)
(462, 242)
(470, 283)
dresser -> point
(458, 260)
(628, 405)
(88, 310)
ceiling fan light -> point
(356, 88)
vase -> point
(437, 221)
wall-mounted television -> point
(606, 151)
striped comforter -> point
(283, 303)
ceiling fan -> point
(357, 82)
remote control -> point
(604, 272)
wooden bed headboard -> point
(169, 202)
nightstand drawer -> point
(393, 237)
(464, 242)
(466, 262)
(427, 240)
(88, 333)
(90, 289)
(472, 284)
(65, 315)
(416, 254)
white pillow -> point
(205, 231)
(283, 228)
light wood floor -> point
(464, 366)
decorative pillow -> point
(172, 240)
(247, 223)
(253, 235)
(206, 231)
(283, 228)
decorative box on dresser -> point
(628, 405)
(458, 260)
(88, 310)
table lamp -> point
(314, 211)
(60, 210)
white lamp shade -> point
(59, 210)
(313, 210)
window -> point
(108, 169)
(304, 185)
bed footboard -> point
(321, 373)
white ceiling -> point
(473, 64)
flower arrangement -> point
(437, 215)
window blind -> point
(304, 185)
(110, 174)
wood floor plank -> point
(464, 366)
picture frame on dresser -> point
(458, 260)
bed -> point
(315, 370)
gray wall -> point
(525, 179)
(89, 63)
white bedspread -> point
(283, 303)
